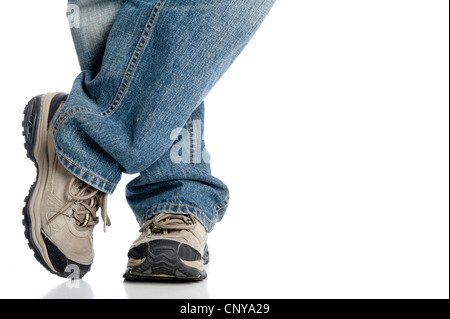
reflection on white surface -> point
(81, 289)
(142, 290)
(77, 289)
(98, 286)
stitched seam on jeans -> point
(221, 206)
(128, 73)
(190, 127)
(100, 179)
(70, 112)
(135, 58)
(175, 205)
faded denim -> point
(137, 106)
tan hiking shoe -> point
(170, 247)
(60, 210)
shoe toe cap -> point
(64, 266)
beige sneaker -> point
(170, 247)
(60, 210)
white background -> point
(331, 131)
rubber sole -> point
(60, 264)
(163, 263)
(29, 124)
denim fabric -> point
(90, 22)
(137, 107)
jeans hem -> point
(221, 208)
(86, 176)
(179, 209)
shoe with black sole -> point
(60, 210)
(170, 248)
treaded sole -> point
(31, 116)
(30, 125)
(164, 264)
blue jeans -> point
(137, 106)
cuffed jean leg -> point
(90, 22)
(160, 61)
(180, 182)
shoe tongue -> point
(83, 220)
(77, 186)
(166, 223)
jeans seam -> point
(190, 127)
(221, 206)
(175, 205)
(100, 179)
(128, 72)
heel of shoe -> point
(30, 124)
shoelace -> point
(163, 223)
(87, 201)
